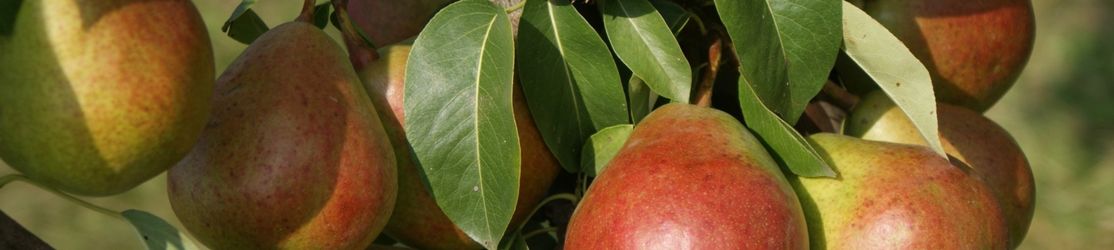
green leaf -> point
(642, 40)
(241, 9)
(569, 78)
(675, 16)
(321, 15)
(789, 147)
(155, 232)
(245, 27)
(898, 73)
(459, 116)
(786, 48)
(603, 146)
(641, 99)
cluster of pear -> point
(290, 147)
(294, 146)
(694, 178)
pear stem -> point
(17, 177)
(307, 12)
(361, 52)
(839, 96)
(704, 90)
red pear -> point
(392, 21)
(973, 140)
(974, 49)
(896, 196)
(689, 178)
(294, 157)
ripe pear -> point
(100, 96)
(392, 21)
(973, 140)
(294, 156)
(896, 196)
(974, 49)
(418, 221)
(689, 177)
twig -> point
(839, 96)
(704, 91)
(307, 11)
(360, 51)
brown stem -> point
(307, 12)
(360, 51)
(704, 91)
(818, 117)
(839, 96)
(14, 236)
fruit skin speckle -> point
(295, 155)
(897, 196)
(689, 178)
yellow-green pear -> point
(896, 196)
(97, 97)
(971, 139)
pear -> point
(100, 96)
(896, 196)
(418, 221)
(973, 140)
(392, 21)
(974, 50)
(689, 177)
(294, 157)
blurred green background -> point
(1061, 111)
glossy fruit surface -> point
(100, 96)
(971, 140)
(689, 178)
(974, 49)
(896, 196)
(294, 156)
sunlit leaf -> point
(603, 146)
(643, 41)
(898, 73)
(156, 233)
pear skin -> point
(974, 49)
(689, 178)
(896, 196)
(100, 96)
(968, 137)
(392, 21)
(418, 221)
(294, 157)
